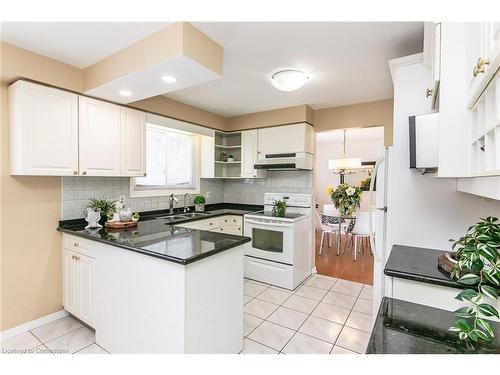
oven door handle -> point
(269, 224)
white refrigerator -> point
(378, 225)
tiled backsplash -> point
(251, 191)
(76, 191)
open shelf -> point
(228, 147)
(227, 144)
(228, 162)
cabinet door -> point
(100, 140)
(483, 42)
(285, 139)
(133, 145)
(249, 153)
(70, 294)
(207, 153)
(85, 288)
(43, 130)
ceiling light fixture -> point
(125, 93)
(289, 79)
(345, 166)
(169, 79)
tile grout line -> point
(55, 338)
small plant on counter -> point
(199, 203)
(279, 208)
(104, 206)
(478, 256)
(346, 198)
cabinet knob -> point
(73, 257)
(211, 223)
(75, 244)
(77, 257)
(75, 172)
(144, 174)
(84, 173)
(480, 66)
(428, 92)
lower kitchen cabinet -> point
(230, 224)
(78, 285)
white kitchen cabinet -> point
(432, 59)
(78, 278)
(230, 224)
(482, 56)
(100, 138)
(133, 142)
(207, 154)
(249, 139)
(285, 139)
(43, 130)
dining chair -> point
(361, 231)
(325, 228)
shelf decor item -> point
(223, 156)
(346, 199)
(478, 266)
(230, 158)
(199, 203)
(364, 184)
(279, 208)
(92, 217)
(104, 206)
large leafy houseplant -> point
(478, 266)
(104, 206)
(346, 198)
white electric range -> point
(281, 249)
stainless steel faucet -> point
(186, 209)
(172, 199)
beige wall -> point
(361, 115)
(299, 113)
(31, 280)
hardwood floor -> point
(344, 266)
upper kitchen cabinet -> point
(482, 56)
(432, 59)
(249, 149)
(43, 130)
(133, 144)
(100, 138)
(207, 147)
(285, 139)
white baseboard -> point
(25, 327)
(314, 270)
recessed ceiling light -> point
(125, 93)
(289, 79)
(168, 79)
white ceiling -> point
(347, 63)
(76, 43)
(335, 136)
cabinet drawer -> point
(208, 224)
(231, 220)
(79, 245)
(231, 229)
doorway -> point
(360, 143)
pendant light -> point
(345, 165)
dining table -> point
(336, 219)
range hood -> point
(294, 161)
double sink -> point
(185, 216)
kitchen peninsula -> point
(157, 288)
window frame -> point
(159, 191)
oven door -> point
(271, 240)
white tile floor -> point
(323, 315)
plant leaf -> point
(489, 291)
(468, 295)
(486, 326)
(463, 325)
(481, 335)
(487, 310)
(464, 313)
(469, 279)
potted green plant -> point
(478, 266)
(279, 208)
(104, 206)
(364, 184)
(346, 199)
(199, 203)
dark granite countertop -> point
(418, 264)
(165, 240)
(408, 328)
